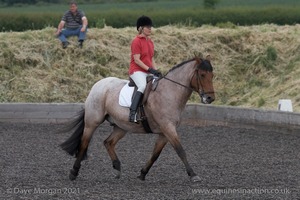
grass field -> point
(148, 6)
(254, 66)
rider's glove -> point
(154, 72)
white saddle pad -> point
(126, 95)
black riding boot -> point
(134, 105)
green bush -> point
(261, 102)
(211, 3)
(189, 17)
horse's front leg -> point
(110, 144)
(170, 132)
(159, 145)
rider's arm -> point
(140, 63)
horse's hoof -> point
(195, 179)
(141, 177)
(72, 177)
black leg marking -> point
(181, 153)
(116, 165)
(142, 176)
(74, 172)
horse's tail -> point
(72, 144)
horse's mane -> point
(202, 64)
(179, 65)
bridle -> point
(205, 98)
(200, 89)
(199, 84)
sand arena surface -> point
(233, 164)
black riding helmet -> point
(143, 21)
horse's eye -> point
(202, 75)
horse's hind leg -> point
(85, 140)
(159, 145)
(110, 144)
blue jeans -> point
(65, 33)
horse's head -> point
(202, 80)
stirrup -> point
(134, 118)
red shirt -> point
(144, 47)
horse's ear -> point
(198, 60)
(208, 57)
(198, 57)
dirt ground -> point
(233, 164)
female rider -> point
(142, 63)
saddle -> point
(141, 116)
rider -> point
(142, 63)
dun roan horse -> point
(163, 110)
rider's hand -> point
(154, 72)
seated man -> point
(75, 23)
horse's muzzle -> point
(206, 99)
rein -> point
(190, 88)
(200, 91)
(199, 86)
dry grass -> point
(255, 66)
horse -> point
(163, 109)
